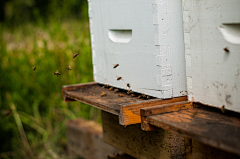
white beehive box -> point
(213, 74)
(145, 37)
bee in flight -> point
(226, 49)
(69, 67)
(57, 73)
(34, 68)
(128, 85)
(75, 55)
(104, 94)
(119, 78)
(115, 65)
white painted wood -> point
(213, 75)
(145, 38)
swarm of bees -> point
(57, 73)
(129, 92)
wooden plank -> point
(85, 139)
(204, 124)
(160, 109)
(158, 144)
(90, 93)
(72, 88)
(130, 113)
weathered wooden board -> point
(85, 139)
(90, 93)
(207, 125)
(160, 109)
(212, 47)
(158, 144)
(127, 107)
(145, 38)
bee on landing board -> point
(104, 94)
(111, 88)
(139, 97)
(223, 109)
(119, 78)
(132, 95)
(116, 90)
(226, 49)
(75, 55)
(106, 86)
(129, 91)
(144, 96)
(34, 68)
(120, 95)
(57, 73)
(69, 67)
(115, 65)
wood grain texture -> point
(130, 113)
(203, 124)
(160, 109)
(158, 144)
(90, 93)
(85, 139)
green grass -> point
(34, 97)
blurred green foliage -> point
(49, 36)
(19, 11)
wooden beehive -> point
(212, 47)
(146, 39)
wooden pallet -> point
(126, 107)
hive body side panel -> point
(145, 38)
(213, 73)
